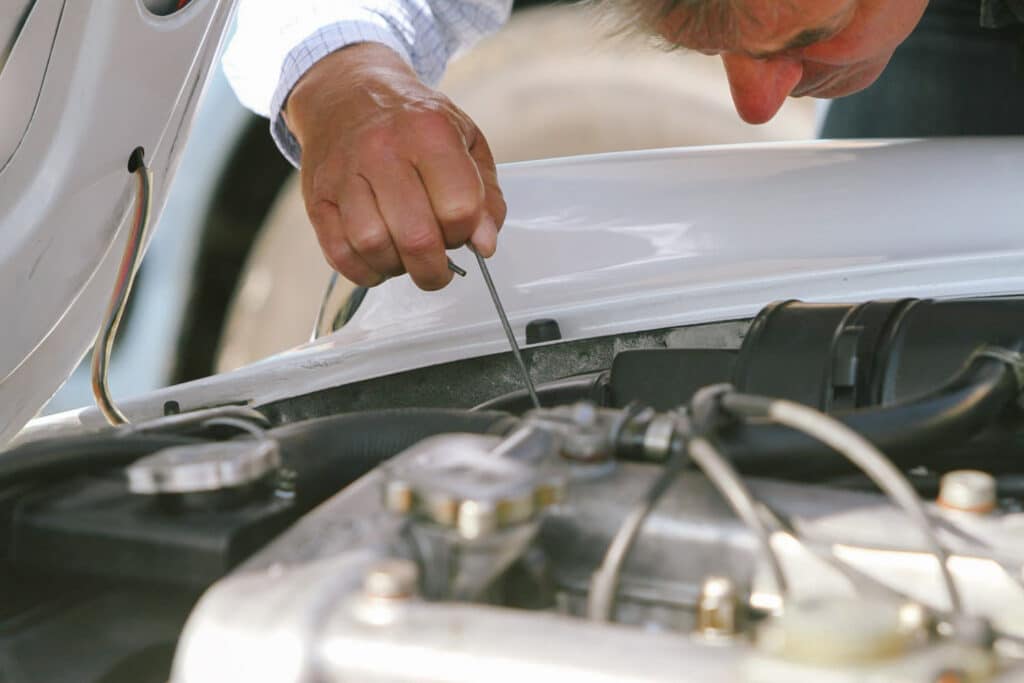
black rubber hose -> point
(329, 453)
(50, 459)
(905, 432)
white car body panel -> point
(66, 197)
(639, 241)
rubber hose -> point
(905, 432)
(49, 459)
(329, 453)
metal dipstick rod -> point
(527, 380)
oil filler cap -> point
(203, 467)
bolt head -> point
(398, 497)
(392, 579)
(718, 607)
(476, 519)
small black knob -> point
(543, 330)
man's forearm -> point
(277, 42)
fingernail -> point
(485, 237)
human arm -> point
(375, 89)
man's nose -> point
(760, 86)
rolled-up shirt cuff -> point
(311, 50)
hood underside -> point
(85, 83)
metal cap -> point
(203, 467)
(458, 481)
(968, 491)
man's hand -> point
(393, 173)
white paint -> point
(116, 77)
(636, 241)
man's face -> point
(773, 49)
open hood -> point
(82, 84)
(640, 241)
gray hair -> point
(717, 17)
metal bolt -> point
(968, 491)
(477, 519)
(916, 620)
(718, 607)
(392, 579)
(398, 497)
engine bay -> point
(826, 492)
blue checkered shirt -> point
(276, 41)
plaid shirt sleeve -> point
(277, 41)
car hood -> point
(638, 241)
(84, 83)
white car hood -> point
(84, 84)
(640, 241)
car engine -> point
(826, 492)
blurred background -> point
(234, 273)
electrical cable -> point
(605, 580)
(860, 452)
(122, 287)
(729, 483)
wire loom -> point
(122, 288)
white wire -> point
(875, 465)
(605, 582)
(729, 483)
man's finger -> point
(402, 201)
(365, 229)
(335, 246)
(452, 182)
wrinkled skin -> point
(856, 40)
(393, 173)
